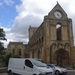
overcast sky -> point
(17, 15)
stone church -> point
(53, 40)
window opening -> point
(58, 32)
(20, 52)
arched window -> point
(42, 38)
(14, 51)
(20, 52)
(58, 32)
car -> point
(57, 69)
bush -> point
(9, 55)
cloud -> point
(9, 2)
(1, 3)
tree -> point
(1, 47)
(2, 34)
(2, 37)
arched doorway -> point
(62, 57)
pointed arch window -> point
(58, 32)
(14, 51)
(20, 52)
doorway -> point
(62, 57)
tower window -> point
(58, 32)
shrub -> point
(9, 55)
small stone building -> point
(18, 48)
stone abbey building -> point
(53, 40)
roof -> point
(15, 42)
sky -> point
(17, 15)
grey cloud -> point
(39, 11)
(23, 25)
(20, 37)
(20, 8)
(20, 28)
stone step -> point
(3, 69)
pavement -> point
(7, 74)
(71, 70)
(3, 69)
(3, 74)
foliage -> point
(1, 47)
(9, 55)
(73, 65)
(2, 34)
(2, 37)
